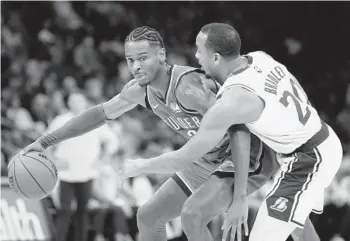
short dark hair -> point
(146, 33)
(222, 38)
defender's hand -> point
(236, 216)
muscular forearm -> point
(177, 160)
(240, 148)
(80, 124)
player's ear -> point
(162, 55)
(217, 58)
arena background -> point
(50, 49)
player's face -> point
(144, 61)
(205, 57)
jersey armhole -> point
(235, 85)
(242, 86)
(185, 109)
(246, 88)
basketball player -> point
(261, 93)
(180, 95)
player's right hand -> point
(35, 146)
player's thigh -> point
(212, 198)
(295, 190)
(165, 204)
(267, 228)
(299, 187)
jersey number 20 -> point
(303, 118)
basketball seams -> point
(53, 174)
(32, 176)
(14, 175)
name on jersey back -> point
(272, 80)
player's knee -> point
(144, 215)
(191, 217)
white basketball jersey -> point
(288, 119)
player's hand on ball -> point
(131, 168)
(237, 215)
(35, 146)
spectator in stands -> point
(343, 119)
(111, 207)
(79, 159)
(86, 57)
(3, 165)
(94, 90)
(69, 85)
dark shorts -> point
(264, 165)
(267, 166)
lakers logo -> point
(280, 204)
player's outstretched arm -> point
(236, 106)
(131, 95)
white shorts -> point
(299, 187)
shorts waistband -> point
(316, 140)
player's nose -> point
(136, 67)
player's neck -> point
(232, 66)
(161, 84)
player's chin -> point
(143, 82)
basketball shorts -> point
(298, 188)
(265, 164)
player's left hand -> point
(237, 215)
(131, 168)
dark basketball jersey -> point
(186, 122)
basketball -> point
(32, 175)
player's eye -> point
(143, 58)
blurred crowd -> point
(50, 50)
